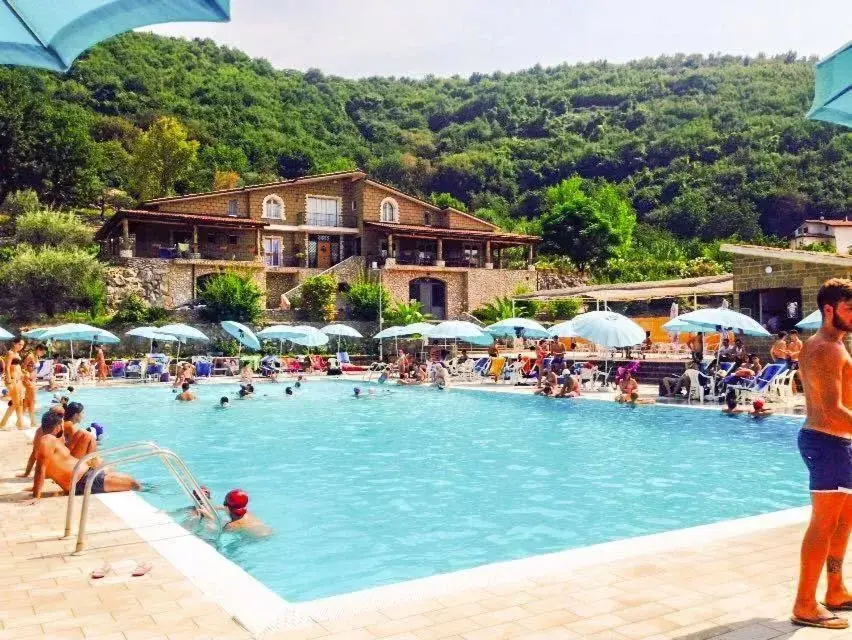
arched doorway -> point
(431, 293)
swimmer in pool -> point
(288, 391)
(356, 392)
(186, 395)
(224, 403)
(758, 409)
(731, 404)
(236, 502)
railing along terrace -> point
(327, 219)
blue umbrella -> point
(456, 330)
(152, 333)
(608, 328)
(811, 321)
(310, 337)
(183, 332)
(512, 326)
(563, 330)
(242, 333)
(676, 325)
(5, 335)
(51, 35)
(414, 328)
(73, 331)
(833, 88)
(340, 330)
(722, 318)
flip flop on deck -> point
(141, 569)
(97, 574)
(843, 606)
(834, 622)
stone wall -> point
(147, 278)
(466, 289)
(552, 279)
(750, 274)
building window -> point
(273, 208)
(427, 218)
(232, 208)
(232, 240)
(389, 210)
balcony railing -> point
(327, 219)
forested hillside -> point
(703, 148)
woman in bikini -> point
(15, 386)
(101, 365)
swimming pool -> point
(416, 482)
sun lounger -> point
(61, 372)
(154, 371)
(481, 366)
(495, 369)
(759, 385)
(269, 365)
(203, 368)
(133, 370)
(346, 364)
(117, 370)
(697, 382)
(45, 370)
(318, 363)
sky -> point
(414, 38)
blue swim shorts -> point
(828, 459)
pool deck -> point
(735, 585)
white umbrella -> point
(152, 333)
(455, 329)
(340, 330)
(416, 328)
(311, 337)
(5, 335)
(721, 319)
(280, 332)
(564, 330)
(811, 321)
(183, 332)
(392, 332)
(242, 333)
(36, 333)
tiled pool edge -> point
(261, 611)
(251, 603)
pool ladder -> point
(143, 450)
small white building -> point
(837, 233)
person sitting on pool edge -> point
(54, 461)
(79, 441)
(626, 387)
(236, 502)
(549, 385)
(635, 399)
(186, 395)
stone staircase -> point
(347, 270)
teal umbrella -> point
(36, 33)
(811, 321)
(833, 88)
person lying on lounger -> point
(54, 460)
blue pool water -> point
(417, 482)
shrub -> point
(405, 313)
(363, 297)
(52, 228)
(20, 202)
(502, 308)
(230, 296)
(132, 310)
(51, 278)
(318, 295)
(559, 310)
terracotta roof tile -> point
(441, 231)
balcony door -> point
(272, 252)
(323, 212)
(432, 294)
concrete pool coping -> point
(261, 611)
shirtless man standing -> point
(54, 461)
(825, 442)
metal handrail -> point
(82, 464)
(171, 460)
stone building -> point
(283, 232)
(835, 233)
(781, 283)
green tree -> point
(162, 156)
(50, 279)
(230, 296)
(577, 225)
(318, 295)
(363, 299)
(447, 200)
(52, 228)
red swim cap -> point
(236, 500)
(757, 404)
